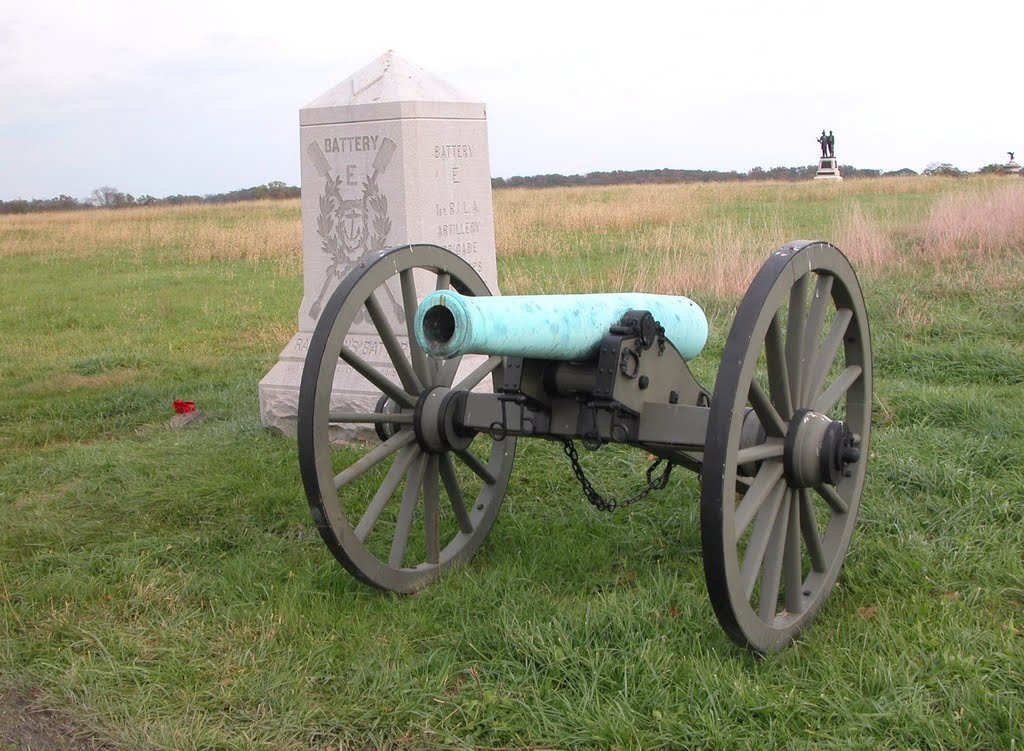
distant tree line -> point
(111, 198)
(107, 197)
(637, 177)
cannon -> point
(780, 444)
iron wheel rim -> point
(432, 472)
(781, 509)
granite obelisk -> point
(390, 155)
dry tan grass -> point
(266, 230)
(719, 259)
(660, 232)
(863, 239)
(677, 239)
(680, 239)
(673, 239)
(531, 222)
(808, 191)
(975, 225)
(70, 381)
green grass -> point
(167, 589)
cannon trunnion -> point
(780, 444)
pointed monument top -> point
(390, 87)
(390, 78)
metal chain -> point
(610, 504)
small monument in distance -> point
(828, 166)
(390, 155)
(1011, 167)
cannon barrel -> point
(551, 327)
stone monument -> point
(828, 165)
(1011, 167)
(390, 155)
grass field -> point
(166, 588)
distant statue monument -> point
(828, 169)
(1011, 167)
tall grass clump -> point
(976, 224)
(863, 239)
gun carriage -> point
(780, 444)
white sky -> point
(203, 96)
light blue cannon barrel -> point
(549, 327)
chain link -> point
(610, 504)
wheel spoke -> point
(451, 486)
(410, 381)
(770, 419)
(760, 536)
(792, 566)
(410, 302)
(444, 281)
(410, 496)
(771, 578)
(764, 487)
(478, 467)
(794, 337)
(385, 491)
(442, 372)
(837, 390)
(377, 378)
(377, 455)
(398, 418)
(832, 498)
(770, 449)
(812, 538)
(820, 300)
(432, 511)
(778, 374)
(479, 373)
(822, 363)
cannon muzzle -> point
(550, 327)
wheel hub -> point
(432, 420)
(752, 433)
(386, 406)
(818, 450)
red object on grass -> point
(181, 407)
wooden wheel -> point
(787, 445)
(397, 515)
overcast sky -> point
(203, 97)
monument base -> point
(828, 169)
(279, 395)
(1011, 168)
